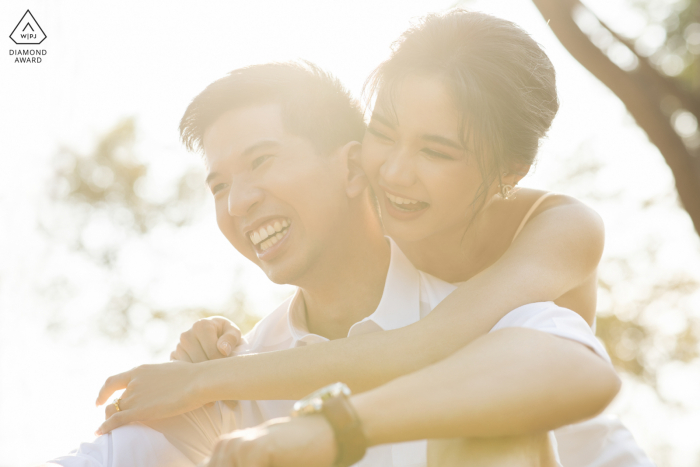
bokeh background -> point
(108, 243)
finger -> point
(113, 383)
(110, 410)
(230, 338)
(111, 407)
(190, 344)
(180, 355)
(115, 421)
(206, 332)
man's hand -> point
(152, 392)
(208, 339)
(283, 442)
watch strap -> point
(350, 439)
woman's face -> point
(423, 176)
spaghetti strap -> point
(534, 206)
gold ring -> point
(116, 404)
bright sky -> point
(107, 61)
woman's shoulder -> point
(542, 201)
(560, 211)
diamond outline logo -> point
(28, 20)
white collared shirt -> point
(409, 295)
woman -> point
(461, 107)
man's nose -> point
(399, 168)
(242, 198)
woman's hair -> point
(502, 82)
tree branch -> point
(640, 92)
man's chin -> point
(289, 268)
(283, 273)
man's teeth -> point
(399, 200)
(268, 235)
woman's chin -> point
(406, 232)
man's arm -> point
(510, 382)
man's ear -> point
(356, 182)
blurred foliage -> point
(636, 343)
(101, 200)
(665, 38)
(112, 182)
(670, 38)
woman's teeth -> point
(268, 235)
(405, 204)
(399, 200)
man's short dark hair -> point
(313, 103)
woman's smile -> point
(403, 207)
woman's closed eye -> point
(378, 134)
(432, 154)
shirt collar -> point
(398, 307)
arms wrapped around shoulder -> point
(556, 253)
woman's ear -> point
(356, 182)
(516, 174)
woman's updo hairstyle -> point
(502, 82)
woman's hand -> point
(152, 392)
(208, 339)
(283, 442)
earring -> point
(507, 191)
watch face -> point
(314, 401)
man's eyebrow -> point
(259, 145)
(380, 119)
(443, 140)
(266, 143)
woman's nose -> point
(399, 169)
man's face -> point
(278, 202)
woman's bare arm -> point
(556, 251)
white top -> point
(409, 295)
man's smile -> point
(267, 236)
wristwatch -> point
(333, 403)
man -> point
(279, 142)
